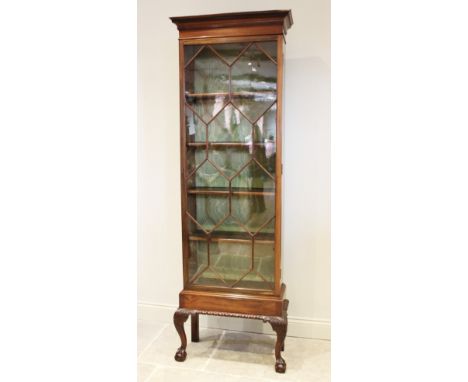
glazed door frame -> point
(278, 162)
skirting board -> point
(297, 326)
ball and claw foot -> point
(280, 366)
(180, 355)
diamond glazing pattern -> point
(230, 121)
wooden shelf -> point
(228, 144)
(235, 237)
(233, 190)
(205, 95)
(253, 94)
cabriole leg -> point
(280, 326)
(179, 319)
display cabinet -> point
(231, 88)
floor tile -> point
(228, 355)
(144, 371)
(147, 332)
(170, 374)
(308, 359)
(162, 350)
(248, 354)
(244, 354)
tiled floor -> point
(227, 356)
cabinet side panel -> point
(279, 166)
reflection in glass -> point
(253, 83)
(229, 159)
(263, 272)
(210, 278)
(269, 47)
(190, 51)
(231, 228)
(229, 52)
(266, 158)
(265, 127)
(206, 107)
(230, 126)
(230, 263)
(254, 178)
(206, 211)
(198, 257)
(253, 211)
(230, 260)
(206, 84)
(207, 73)
(196, 129)
(264, 261)
(207, 176)
(195, 156)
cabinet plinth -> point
(231, 89)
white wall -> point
(306, 205)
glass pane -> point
(263, 274)
(265, 128)
(230, 126)
(206, 211)
(229, 159)
(265, 156)
(253, 178)
(253, 83)
(253, 105)
(211, 278)
(267, 231)
(231, 260)
(264, 260)
(195, 156)
(196, 129)
(253, 211)
(269, 47)
(207, 105)
(190, 51)
(206, 84)
(207, 176)
(232, 229)
(198, 258)
(229, 52)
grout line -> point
(271, 334)
(152, 373)
(149, 363)
(152, 341)
(218, 343)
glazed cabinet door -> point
(230, 123)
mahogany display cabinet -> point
(231, 88)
